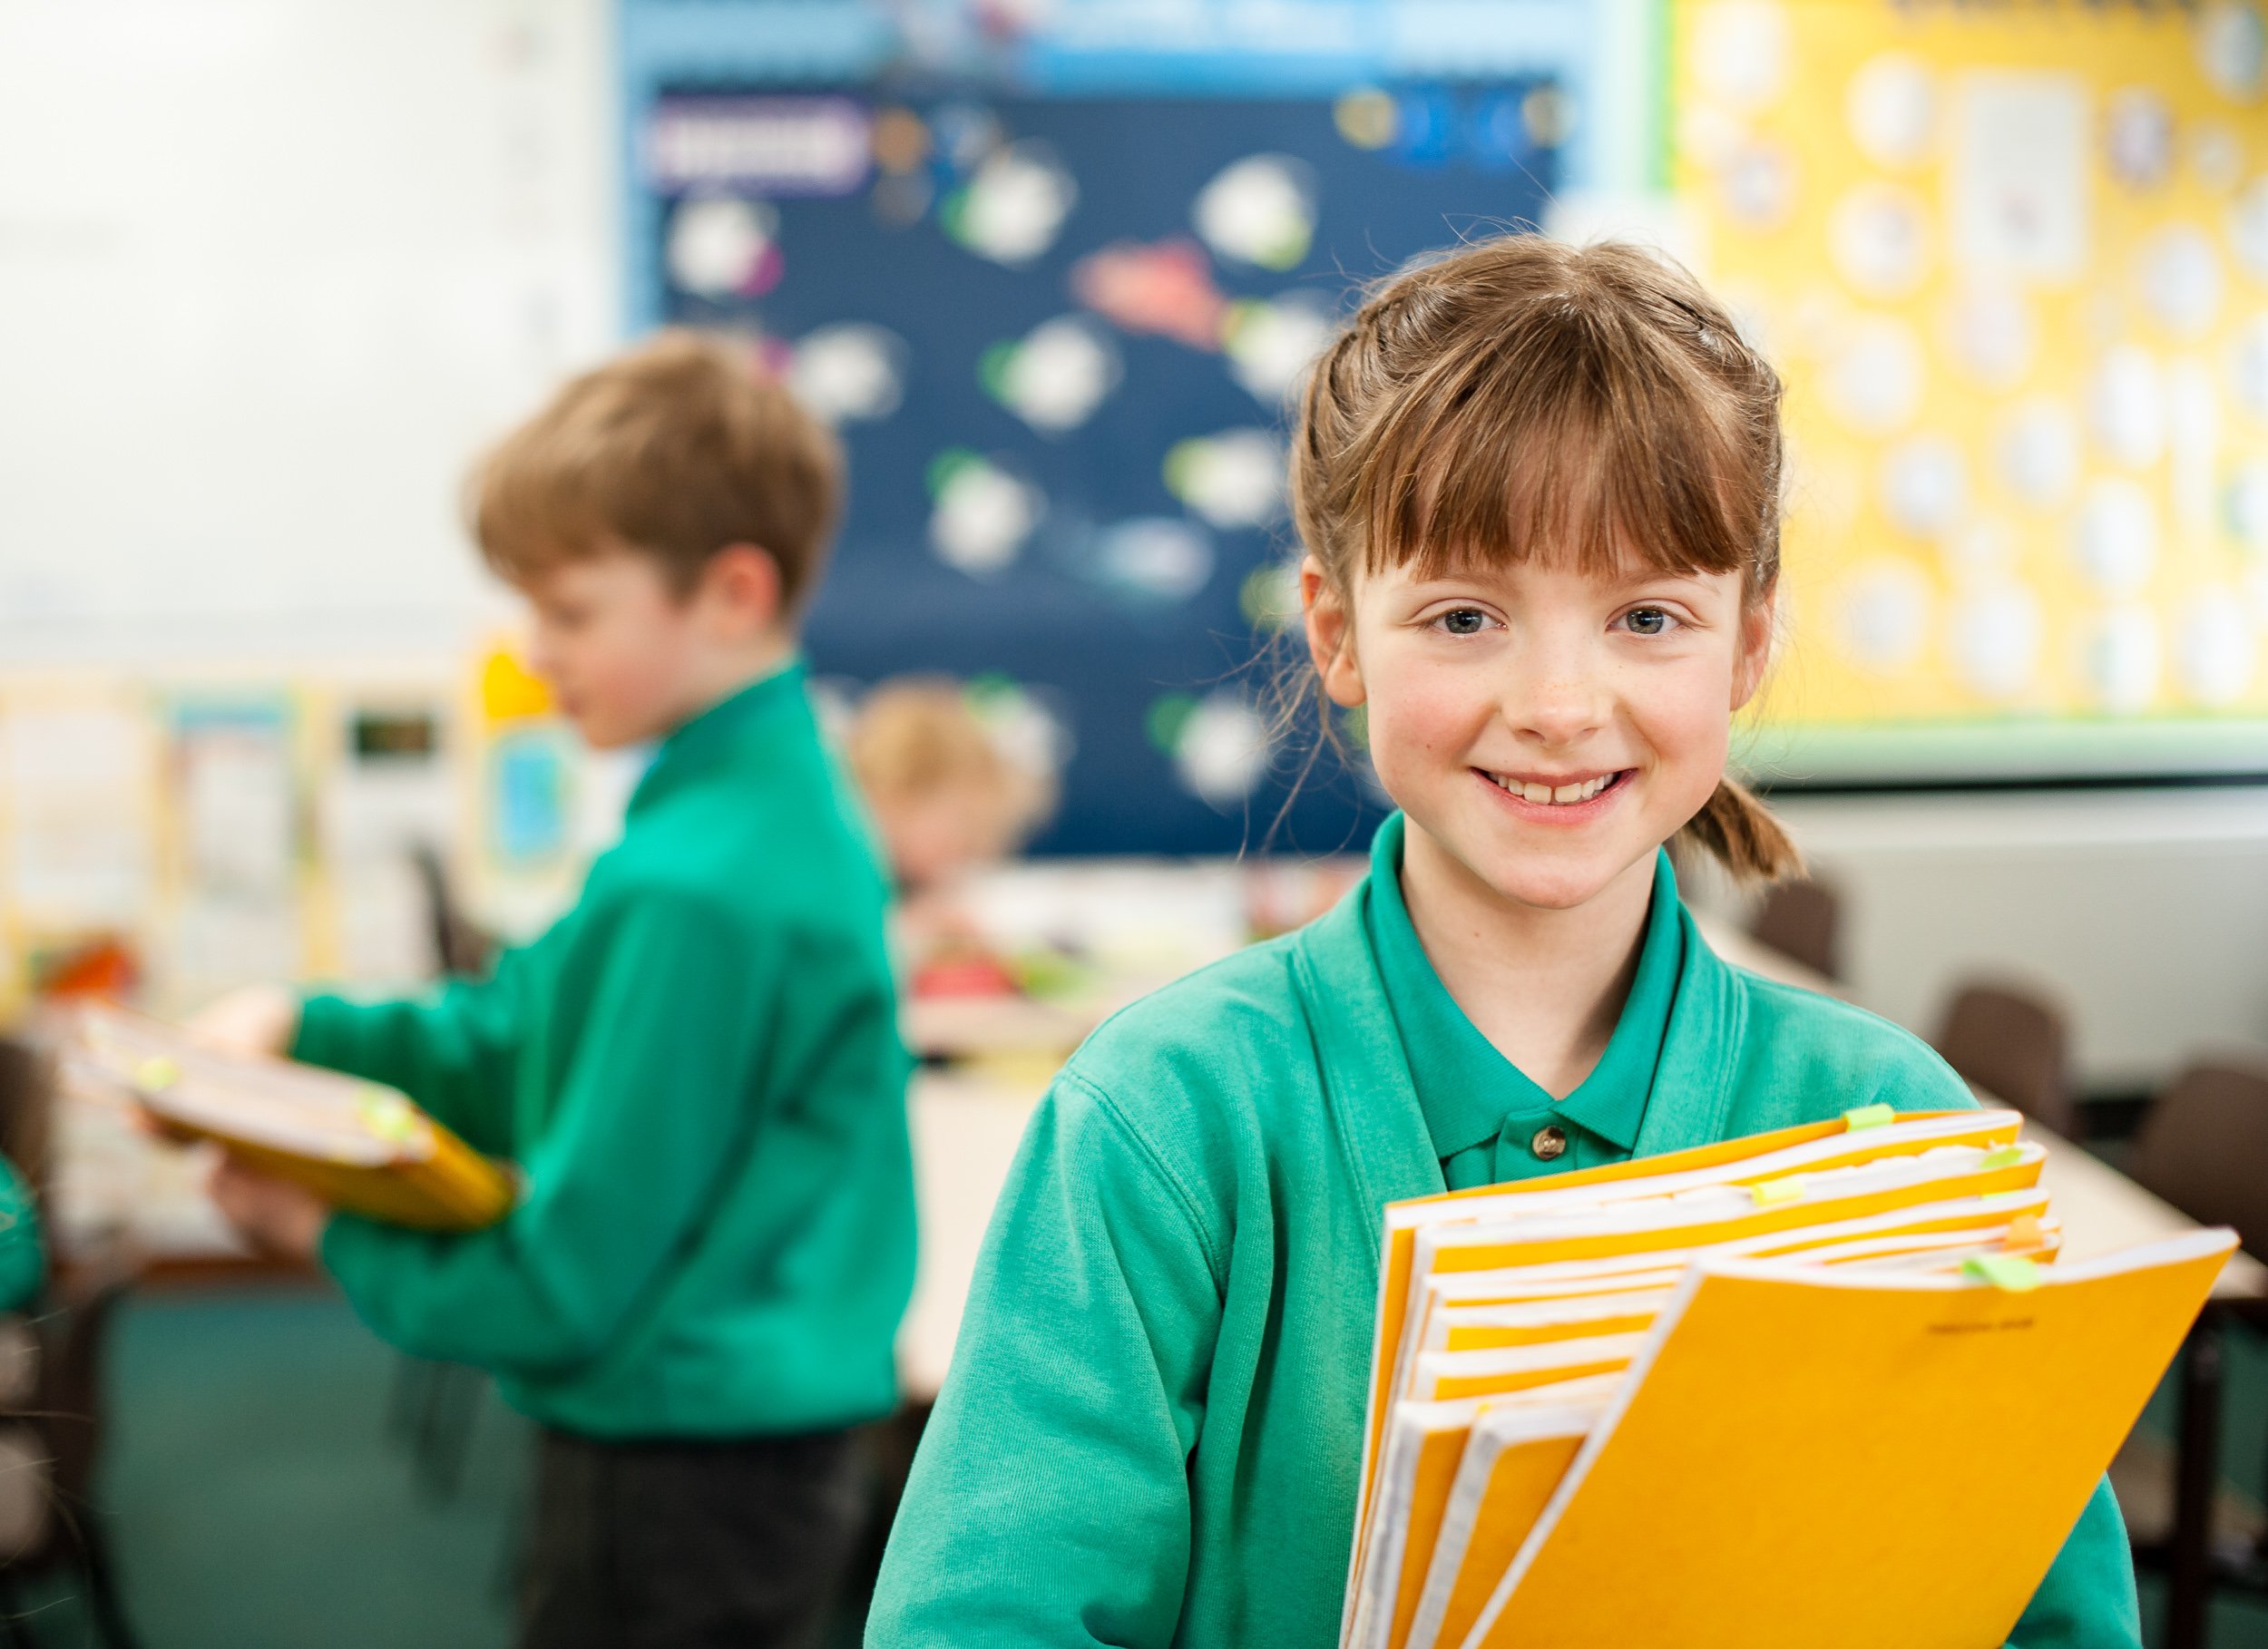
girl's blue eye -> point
(1647, 621)
(1464, 622)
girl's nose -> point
(1557, 702)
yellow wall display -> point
(2012, 262)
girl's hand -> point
(255, 1019)
(274, 1216)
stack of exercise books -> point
(359, 1146)
(1816, 1386)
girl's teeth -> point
(1545, 796)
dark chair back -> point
(461, 949)
(1803, 920)
(2204, 1147)
(2014, 1045)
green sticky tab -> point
(387, 1114)
(157, 1072)
(1785, 1190)
(2011, 1272)
(2006, 1157)
(1870, 1116)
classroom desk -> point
(966, 1126)
(2103, 1211)
(945, 1027)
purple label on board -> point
(775, 146)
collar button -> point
(1549, 1143)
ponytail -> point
(1740, 833)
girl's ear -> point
(1330, 634)
(1759, 623)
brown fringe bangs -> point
(1570, 436)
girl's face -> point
(1547, 727)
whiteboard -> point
(271, 272)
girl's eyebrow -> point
(1635, 576)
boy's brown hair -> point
(1521, 397)
(674, 451)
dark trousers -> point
(739, 1544)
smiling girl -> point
(1539, 488)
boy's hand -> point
(255, 1019)
(273, 1214)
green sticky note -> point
(2007, 1156)
(156, 1073)
(1869, 1116)
(1784, 1190)
(2011, 1272)
(387, 1114)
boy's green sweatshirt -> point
(698, 1071)
(23, 1263)
(1151, 1429)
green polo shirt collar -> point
(727, 729)
(1469, 1091)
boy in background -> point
(697, 1070)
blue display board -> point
(1056, 330)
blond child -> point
(946, 798)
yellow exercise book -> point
(1875, 1459)
(1509, 1289)
(1863, 1136)
(1628, 1228)
(1502, 1480)
(359, 1146)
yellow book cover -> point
(1512, 1461)
(1881, 1435)
(1811, 1148)
(1578, 1303)
(1956, 1225)
(360, 1147)
(1481, 1328)
(1506, 1475)
(1799, 1167)
(1424, 1454)
(1446, 1376)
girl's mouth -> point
(1565, 800)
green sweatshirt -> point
(22, 1265)
(697, 1070)
(1150, 1434)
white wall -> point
(2145, 912)
(270, 272)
